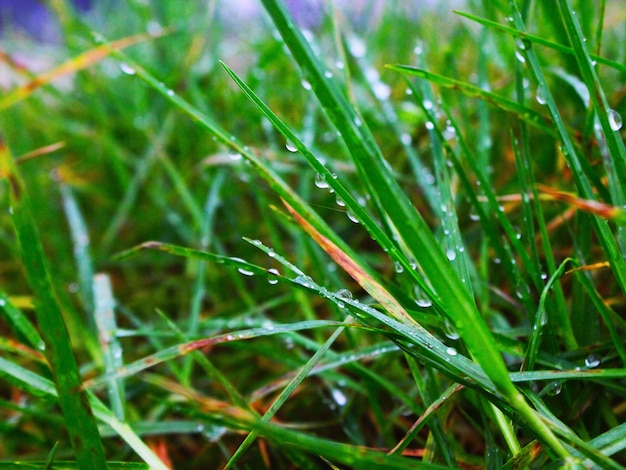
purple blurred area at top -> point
(33, 18)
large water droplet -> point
(270, 278)
(291, 147)
(615, 120)
(382, 90)
(127, 69)
(352, 217)
(339, 397)
(245, 272)
(306, 85)
(451, 351)
(450, 331)
(424, 303)
(540, 96)
(344, 294)
(451, 255)
(320, 181)
(592, 360)
(397, 267)
(554, 388)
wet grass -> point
(394, 242)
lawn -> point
(392, 237)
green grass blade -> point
(79, 420)
(523, 35)
(20, 323)
(522, 112)
(601, 227)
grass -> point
(370, 246)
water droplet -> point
(257, 242)
(339, 397)
(357, 47)
(291, 147)
(344, 294)
(451, 255)
(271, 253)
(352, 217)
(428, 104)
(615, 120)
(170, 92)
(320, 181)
(592, 360)
(406, 138)
(408, 91)
(328, 74)
(540, 96)
(451, 351)
(358, 122)
(245, 272)
(340, 202)
(424, 303)
(306, 85)
(450, 331)
(397, 267)
(271, 279)
(3, 302)
(340, 65)
(382, 90)
(520, 57)
(554, 388)
(429, 125)
(127, 69)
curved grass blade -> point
(452, 294)
(522, 112)
(81, 426)
(20, 323)
(601, 227)
(525, 36)
(179, 350)
(82, 61)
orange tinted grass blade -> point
(367, 282)
(80, 62)
(589, 267)
(39, 152)
(605, 211)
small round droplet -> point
(592, 360)
(328, 74)
(615, 120)
(291, 147)
(397, 267)
(424, 303)
(3, 302)
(245, 272)
(451, 255)
(306, 85)
(451, 351)
(429, 125)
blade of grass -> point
(523, 113)
(82, 61)
(523, 35)
(601, 227)
(79, 421)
